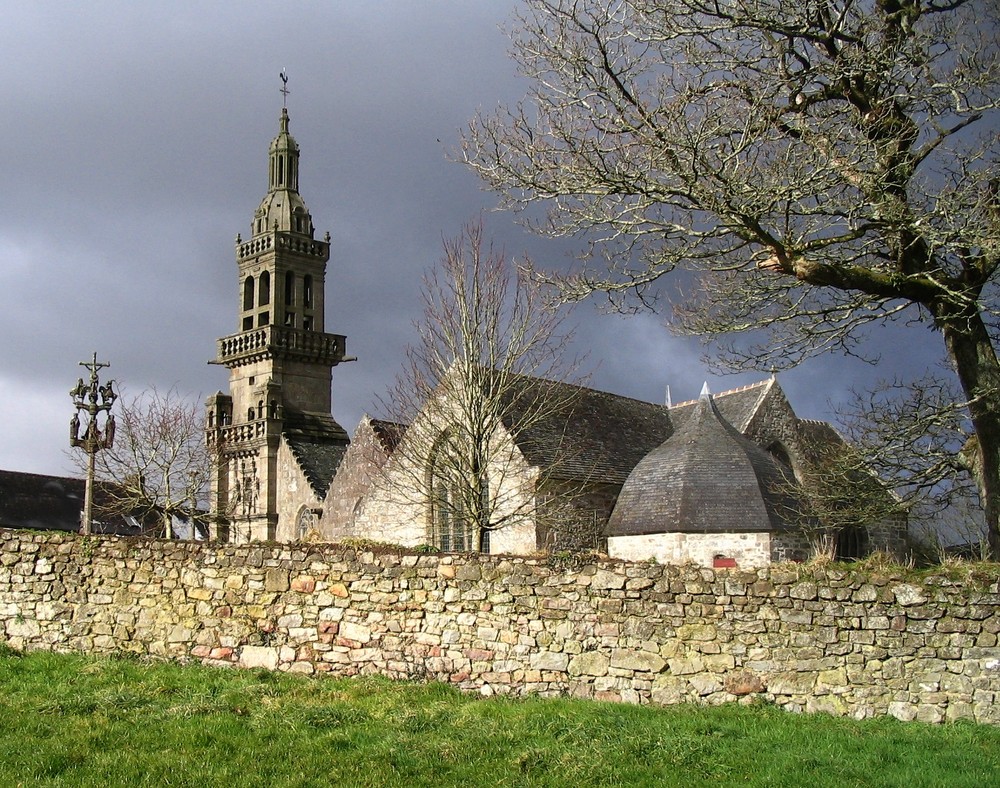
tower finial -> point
(284, 89)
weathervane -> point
(284, 89)
(85, 399)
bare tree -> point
(158, 468)
(484, 374)
(818, 166)
(835, 493)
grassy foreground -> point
(72, 720)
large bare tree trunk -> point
(979, 372)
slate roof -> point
(705, 478)
(591, 436)
(318, 444)
(599, 436)
(53, 503)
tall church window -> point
(307, 290)
(264, 289)
(289, 287)
(451, 524)
(248, 293)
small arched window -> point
(780, 453)
(264, 294)
(306, 524)
(248, 293)
(852, 543)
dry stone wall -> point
(816, 640)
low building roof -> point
(318, 443)
(54, 503)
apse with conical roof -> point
(705, 478)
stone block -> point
(259, 657)
(549, 660)
(276, 580)
(644, 661)
(590, 663)
(907, 712)
(804, 590)
(705, 684)
(907, 595)
(304, 584)
(338, 590)
(686, 666)
(470, 572)
(606, 580)
(356, 632)
(791, 683)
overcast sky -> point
(135, 149)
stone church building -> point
(710, 481)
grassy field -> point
(71, 720)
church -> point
(712, 481)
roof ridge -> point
(760, 401)
(44, 475)
(736, 390)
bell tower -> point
(280, 361)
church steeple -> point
(280, 363)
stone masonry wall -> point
(816, 640)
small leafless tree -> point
(816, 168)
(835, 491)
(487, 371)
(158, 468)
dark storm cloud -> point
(135, 150)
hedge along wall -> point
(814, 640)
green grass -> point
(72, 720)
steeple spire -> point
(282, 209)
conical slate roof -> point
(705, 478)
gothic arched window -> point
(451, 524)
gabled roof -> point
(318, 444)
(32, 500)
(705, 478)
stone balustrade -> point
(292, 342)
